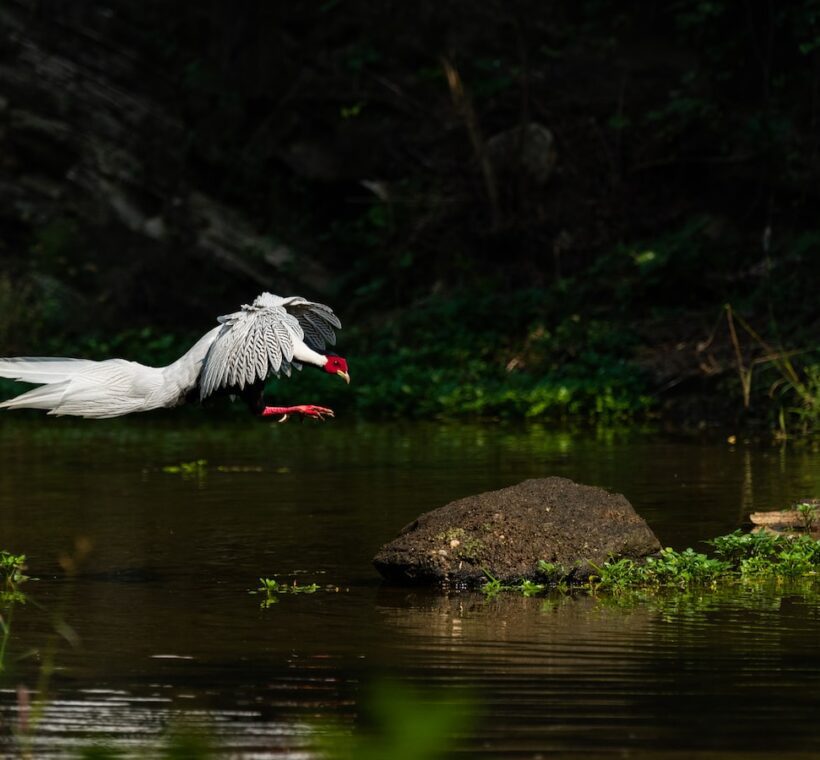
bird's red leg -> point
(307, 410)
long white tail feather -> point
(86, 388)
(45, 397)
(110, 388)
(35, 369)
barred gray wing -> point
(253, 343)
(316, 320)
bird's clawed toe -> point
(317, 412)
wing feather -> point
(316, 320)
(253, 343)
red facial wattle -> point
(336, 365)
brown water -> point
(158, 626)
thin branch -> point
(464, 107)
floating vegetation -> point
(272, 588)
(738, 557)
(11, 568)
(11, 575)
(196, 469)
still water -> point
(153, 624)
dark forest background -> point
(567, 208)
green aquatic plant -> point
(553, 573)
(493, 585)
(765, 553)
(737, 546)
(272, 588)
(672, 568)
(11, 574)
(195, 469)
(808, 514)
(525, 587)
(669, 568)
(11, 568)
(530, 588)
(738, 557)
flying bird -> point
(271, 336)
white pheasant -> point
(269, 336)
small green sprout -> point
(11, 575)
(808, 514)
(11, 568)
(493, 586)
(553, 573)
(530, 588)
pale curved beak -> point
(343, 375)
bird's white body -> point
(266, 337)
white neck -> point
(302, 353)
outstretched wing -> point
(316, 320)
(254, 342)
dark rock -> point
(529, 149)
(507, 532)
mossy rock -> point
(507, 532)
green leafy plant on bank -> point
(669, 568)
(808, 515)
(737, 557)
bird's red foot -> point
(306, 410)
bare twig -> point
(745, 373)
(464, 106)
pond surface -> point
(153, 626)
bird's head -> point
(336, 365)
